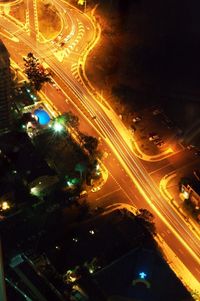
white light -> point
(5, 206)
(91, 270)
(69, 184)
(186, 195)
(34, 190)
(57, 127)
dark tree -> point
(70, 119)
(35, 72)
(147, 219)
(90, 143)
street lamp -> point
(82, 2)
(57, 127)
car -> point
(197, 153)
(59, 36)
(154, 137)
(158, 141)
(73, 198)
(133, 128)
(94, 189)
(61, 44)
(191, 146)
(160, 144)
(137, 118)
(157, 111)
(83, 194)
(67, 39)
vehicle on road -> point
(191, 146)
(157, 112)
(137, 118)
(160, 143)
(94, 189)
(154, 137)
(83, 194)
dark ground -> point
(157, 55)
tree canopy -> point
(35, 72)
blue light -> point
(142, 275)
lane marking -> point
(107, 194)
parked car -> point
(191, 146)
(59, 36)
(137, 118)
(83, 194)
(157, 111)
(73, 198)
(154, 137)
(94, 189)
(160, 143)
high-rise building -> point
(5, 89)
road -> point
(139, 185)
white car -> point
(136, 119)
(154, 137)
(94, 189)
(59, 36)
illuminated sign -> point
(141, 279)
(142, 275)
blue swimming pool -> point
(43, 116)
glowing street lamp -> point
(69, 183)
(57, 127)
(5, 206)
